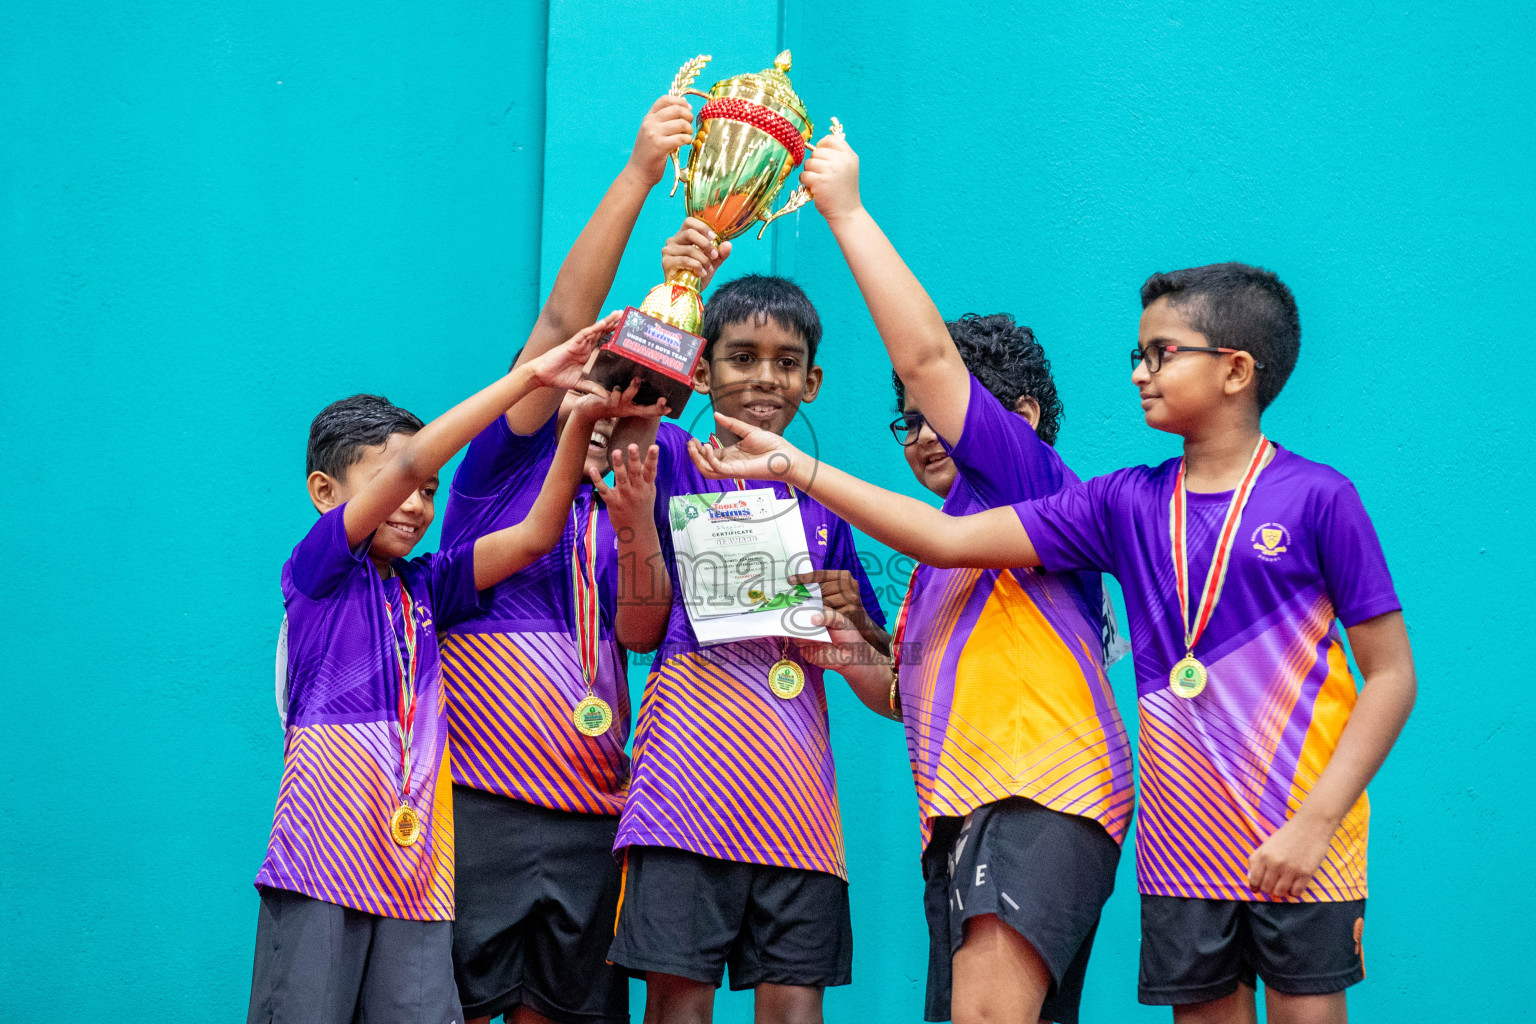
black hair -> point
(1237, 306)
(756, 297)
(1008, 361)
(343, 429)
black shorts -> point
(537, 891)
(1045, 874)
(322, 963)
(690, 915)
(1193, 951)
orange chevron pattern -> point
(1006, 702)
(725, 769)
(331, 828)
(1209, 778)
(510, 727)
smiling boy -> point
(357, 891)
(1020, 760)
(731, 832)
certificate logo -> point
(1271, 541)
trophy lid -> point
(771, 88)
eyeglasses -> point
(906, 427)
(1153, 355)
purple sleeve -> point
(497, 453)
(450, 578)
(1072, 529)
(673, 476)
(1353, 564)
(843, 554)
(323, 558)
(1000, 455)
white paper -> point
(734, 553)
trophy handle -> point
(678, 174)
(682, 85)
(798, 198)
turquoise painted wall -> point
(215, 217)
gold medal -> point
(405, 826)
(786, 679)
(1187, 679)
(592, 716)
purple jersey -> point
(722, 767)
(1003, 691)
(341, 752)
(1222, 771)
(512, 668)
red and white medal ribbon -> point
(1216, 576)
(592, 715)
(407, 694)
(897, 638)
(584, 586)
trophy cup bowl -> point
(750, 135)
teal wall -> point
(215, 217)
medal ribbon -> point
(1216, 576)
(407, 697)
(901, 623)
(897, 637)
(584, 586)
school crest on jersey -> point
(1271, 541)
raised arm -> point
(426, 451)
(502, 553)
(909, 323)
(994, 539)
(587, 273)
(1286, 862)
(645, 586)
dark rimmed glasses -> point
(1153, 355)
(906, 427)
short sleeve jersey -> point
(342, 772)
(722, 766)
(1003, 691)
(512, 666)
(1222, 771)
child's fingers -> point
(734, 425)
(652, 459)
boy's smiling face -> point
(926, 457)
(405, 526)
(1191, 386)
(759, 372)
(597, 445)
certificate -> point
(734, 553)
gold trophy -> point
(750, 135)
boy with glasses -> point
(1021, 763)
(1238, 561)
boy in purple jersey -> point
(1256, 744)
(732, 841)
(536, 793)
(1021, 762)
(357, 884)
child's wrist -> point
(637, 176)
(841, 219)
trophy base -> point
(662, 356)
